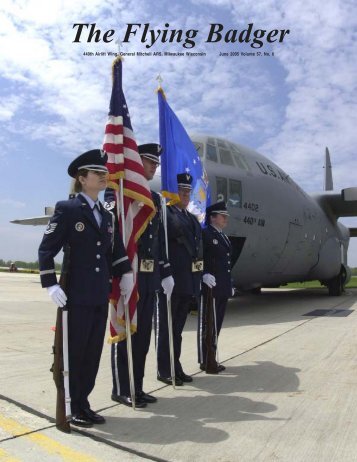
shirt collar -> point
(217, 229)
(90, 201)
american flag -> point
(124, 162)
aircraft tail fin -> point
(328, 186)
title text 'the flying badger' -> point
(149, 36)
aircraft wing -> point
(35, 221)
(343, 204)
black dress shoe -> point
(142, 397)
(168, 381)
(184, 377)
(81, 420)
(93, 416)
(126, 400)
(220, 368)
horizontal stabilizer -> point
(343, 204)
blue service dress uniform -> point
(96, 254)
(153, 266)
(217, 251)
(185, 256)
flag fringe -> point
(173, 197)
(161, 90)
(122, 335)
(116, 61)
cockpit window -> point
(238, 158)
(221, 188)
(211, 153)
(235, 194)
(226, 157)
(199, 148)
(221, 143)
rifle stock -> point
(211, 363)
(57, 369)
(62, 417)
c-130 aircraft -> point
(279, 233)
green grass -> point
(317, 285)
(22, 270)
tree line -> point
(34, 265)
(27, 265)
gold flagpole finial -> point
(117, 58)
(159, 88)
(160, 80)
(119, 43)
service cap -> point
(151, 151)
(93, 160)
(184, 180)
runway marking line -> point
(6, 457)
(48, 444)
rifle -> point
(60, 359)
(60, 366)
(211, 363)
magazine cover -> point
(254, 105)
(277, 79)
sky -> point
(54, 98)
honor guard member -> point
(216, 276)
(185, 256)
(153, 268)
(96, 253)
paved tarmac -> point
(289, 392)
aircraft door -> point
(291, 260)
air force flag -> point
(180, 155)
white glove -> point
(59, 298)
(168, 285)
(126, 286)
(209, 280)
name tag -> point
(147, 266)
(197, 266)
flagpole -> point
(168, 300)
(126, 309)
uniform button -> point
(99, 243)
(97, 270)
(149, 250)
(229, 271)
(150, 236)
(227, 261)
(98, 256)
(227, 254)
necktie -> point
(225, 238)
(97, 214)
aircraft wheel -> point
(256, 291)
(335, 286)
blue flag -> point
(180, 156)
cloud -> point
(8, 107)
(288, 107)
